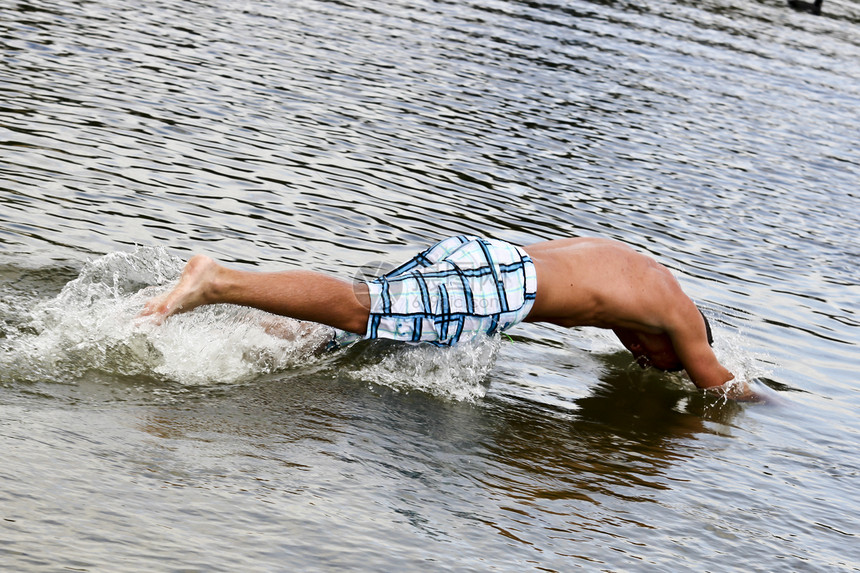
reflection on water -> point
(625, 432)
(713, 135)
(540, 473)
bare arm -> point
(690, 341)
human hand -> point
(736, 390)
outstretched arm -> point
(706, 372)
(700, 362)
(690, 340)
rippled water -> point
(719, 136)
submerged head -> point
(656, 349)
(650, 349)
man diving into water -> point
(466, 286)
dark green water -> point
(718, 136)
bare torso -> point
(603, 283)
(581, 282)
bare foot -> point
(194, 289)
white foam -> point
(457, 373)
(228, 344)
(91, 326)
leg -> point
(303, 295)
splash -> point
(749, 368)
(732, 348)
(457, 373)
(90, 326)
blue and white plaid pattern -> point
(457, 289)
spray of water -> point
(749, 368)
(92, 326)
(456, 373)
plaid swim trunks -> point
(459, 288)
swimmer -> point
(465, 286)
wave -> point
(91, 326)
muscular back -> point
(603, 283)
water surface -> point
(718, 136)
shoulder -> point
(651, 292)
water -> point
(718, 136)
